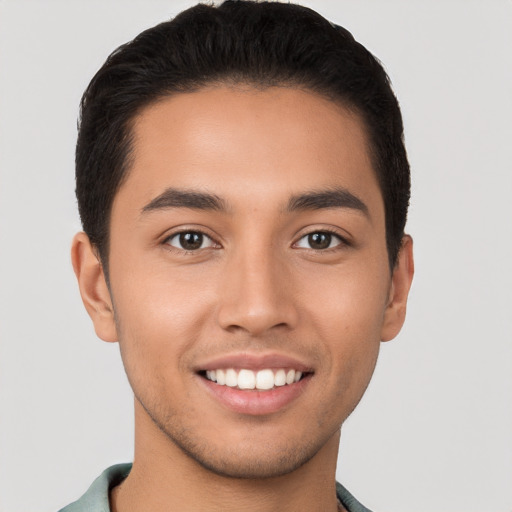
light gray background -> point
(434, 431)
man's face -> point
(249, 237)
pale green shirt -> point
(96, 497)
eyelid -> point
(172, 233)
(344, 241)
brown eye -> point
(190, 241)
(319, 240)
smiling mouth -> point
(261, 380)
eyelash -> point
(343, 242)
(177, 234)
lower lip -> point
(255, 402)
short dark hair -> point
(258, 43)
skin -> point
(255, 286)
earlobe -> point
(403, 273)
(93, 287)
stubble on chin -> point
(246, 461)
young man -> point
(243, 187)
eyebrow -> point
(176, 198)
(324, 199)
(314, 200)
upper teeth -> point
(248, 379)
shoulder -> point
(348, 501)
(96, 497)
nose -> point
(257, 294)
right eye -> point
(190, 241)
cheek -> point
(157, 317)
(349, 319)
(351, 304)
(155, 333)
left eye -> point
(319, 240)
(190, 241)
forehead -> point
(240, 142)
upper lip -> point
(254, 361)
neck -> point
(165, 478)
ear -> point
(401, 280)
(93, 287)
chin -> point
(250, 463)
(245, 453)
